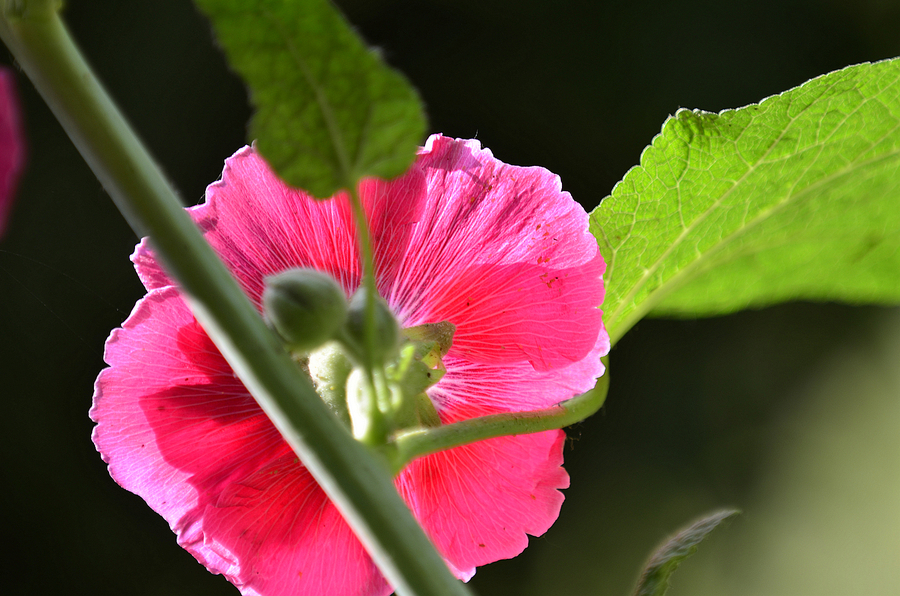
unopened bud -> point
(365, 407)
(329, 368)
(387, 330)
(305, 307)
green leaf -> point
(793, 198)
(328, 110)
(654, 580)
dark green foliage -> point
(328, 110)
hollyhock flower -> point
(499, 251)
(12, 144)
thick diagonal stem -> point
(356, 481)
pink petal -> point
(259, 225)
(178, 428)
(498, 250)
(491, 388)
(12, 145)
(478, 502)
(445, 249)
(504, 254)
(285, 537)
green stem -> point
(358, 483)
(408, 446)
(370, 330)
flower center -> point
(401, 385)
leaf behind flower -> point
(797, 197)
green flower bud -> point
(387, 330)
(305, 307)
(365, 408)
(329, 367)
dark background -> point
(789, 413)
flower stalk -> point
(370, 340)
(356, 481)
(408, 446)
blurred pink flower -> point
(12, 144)
(499, 251)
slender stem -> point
(370, 330)
(408, 446)
(358, 483)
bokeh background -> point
(790, 413)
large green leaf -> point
(328, 110)
(797, 197)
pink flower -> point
(12, 145)
(499, 251)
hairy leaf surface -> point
(797, 197)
